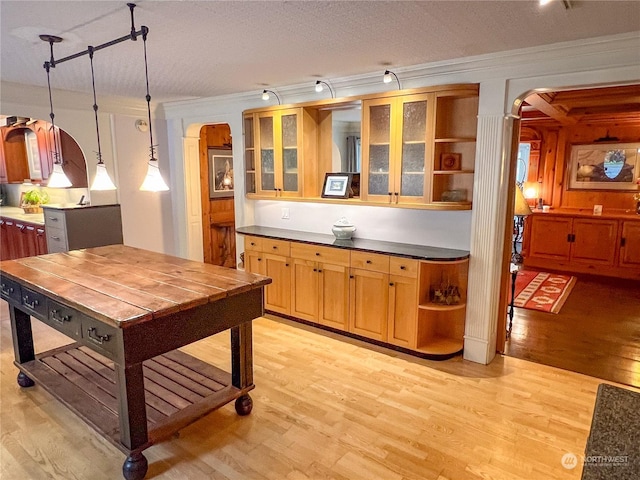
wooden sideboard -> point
(381, 292)
(581, 242)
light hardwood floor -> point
(325, 409)
(597, 331)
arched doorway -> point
(216, 188)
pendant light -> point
(153, 182)
(57, 179)
(102, 181)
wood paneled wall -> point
(218, 214)
(555, 152)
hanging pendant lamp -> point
(153, 182)
(57, 179)
(102, 180)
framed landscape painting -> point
(606, 166)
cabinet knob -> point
(317, 254)
(286, 264)
(351, 276)
(402, 267)
(253, 244)
(259, 259)
(274, 247)
(319, 271)
(369, 262)
(391, 284)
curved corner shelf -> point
(441, 308)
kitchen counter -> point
(17, 213)
(418, 252)
(610, 214)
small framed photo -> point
(450, 161)
(220, 173)
(336, 185)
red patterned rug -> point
(542, 291)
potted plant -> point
(33, 199)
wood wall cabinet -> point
(280, 146)
(582, 244)
(418, 148)
(397, 137)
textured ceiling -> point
(210, 48)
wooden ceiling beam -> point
(556, 112)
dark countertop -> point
(390, 248)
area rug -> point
(613, 447)
(542, 291)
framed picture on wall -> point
(220, 173)
(336, 185)
(605, 166)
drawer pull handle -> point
(402, 267)
(317, 254)
(95, 338)
(53, 219)
(369, 261)
(274, 247)
(5, 290)
(31, 304)
(253, 244)
(55, 315)
(55, 238)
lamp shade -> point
(102, 181)
(153, 182)
(521, 208)
(58, 179)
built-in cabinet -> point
(279, 146)
(418, 148)
(386, 298)
(583, 244)
(21, 239)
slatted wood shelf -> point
(179, 389)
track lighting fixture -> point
(153, 181)
(266, 96)
(389, 76)
(320, 87)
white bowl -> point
(343, 232)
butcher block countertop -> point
(123, 286)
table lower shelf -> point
(179, 389)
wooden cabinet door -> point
(3, 165)
(44, 148)
(369, 301)
(41, 241)
(5, 249)
(630, 244)
(278, 293)
(254, 262)
(594, 241)
(403, 309)
(29, 240)
(304, 294)
(550, 237)
(334, 296)
(14, 236)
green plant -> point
(35, 197)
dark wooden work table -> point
(129, 310)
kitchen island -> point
(128, 311)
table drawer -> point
(374, 262)
(253, 243)
(64, 319)
(53, 218)
(99, 336)
(315, 253)
(33, 302)
(56, 240)
(278, 247)
(405, 267)
(10, 290)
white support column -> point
(487, 233)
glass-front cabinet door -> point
(397, 133)
(278, 144)
(249, 155)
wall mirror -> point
(340, 135)
(26, 150)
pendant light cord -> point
(54, 152)
(145, 30)
(95, 103)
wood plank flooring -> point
(325, 409)
(597, 331)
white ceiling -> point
(210, 48)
